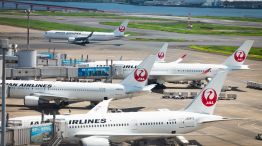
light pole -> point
(28, 11)
(4, 44)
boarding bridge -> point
(32, 135)
(59, 72)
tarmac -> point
(248, 104)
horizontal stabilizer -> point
(100, 108)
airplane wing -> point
(100, 108)
(179, 59)
(82, 39)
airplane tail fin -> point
(120, 31)
(237, 59)
(161, 55)
(206, 100)
(138, 78)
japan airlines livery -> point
(172, 72)
(160, 58)
(37, 92)
(98, 127)
(83, 37)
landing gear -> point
(93, 103)
(197, 84)
(61, 103)
(160, 86)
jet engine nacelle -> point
(71, 39)
(33, 101)
(94, 141)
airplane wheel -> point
(62, 103)
(160, 86)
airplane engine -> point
(71, 39)
(94, 141)
(33, 101)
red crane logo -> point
(240, 56)
(140, 74)
(122, 28)
(161, 55)
(209, 97)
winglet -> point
(183, 56)
(206, 71)
(101, 108)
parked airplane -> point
(37, 92)
(161, 55)
(83, 37)
(173, 72)
(103, 128)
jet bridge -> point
(33, 135)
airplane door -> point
(189, 122)
(118, 71)
(134, 125)
(181, 123)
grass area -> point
(44, 25)
(157, 40)
(198, 28)
(232, 18)
(255, 53)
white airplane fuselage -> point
(73, 91)
(164, 122)
(66, 35)
(168, 72)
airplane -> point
(161, 55)
(36, 93)
(176, 71)
(99, 127)
(84, 37)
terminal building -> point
(241, 3)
